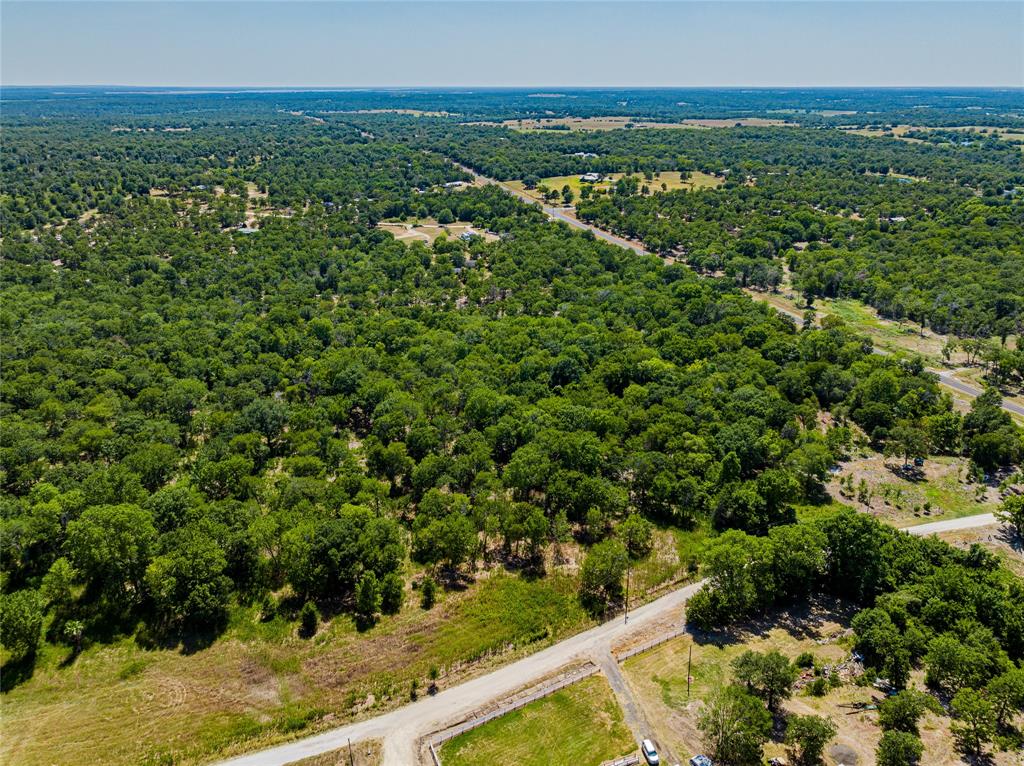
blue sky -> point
(524, 43)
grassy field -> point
(997, 539)
(618, 123)
(427, 230)
(741, 122)
(671, 179)
(581, 724)
(580, 123)
(658, 677)
(939, 492)
(659, 681)
(260, 683)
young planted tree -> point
(368, 598)
(392, 592)
(309, 617)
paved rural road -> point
(401, 729)
(562, 214)
(964, 522)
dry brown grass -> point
(658, 679)
(938, 490)
(741, 122)
(259, 683)
(997, 539)
(366, 753)
(427, 230)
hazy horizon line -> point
(471, 88)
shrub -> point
(898, 748)
(428, 593)
(308, 620)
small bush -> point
(309, 618)
(818, 687)
(268, 609)
(428, 593)
(804, 660)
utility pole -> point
(689, 663)
(627, 593)
(351, 762)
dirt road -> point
(402, 728)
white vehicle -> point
(650, 752)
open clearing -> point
(618, 123)
(659, 681)
(259, 683)
(672, 181)
(427, 230)
(939, 490)
(997, 538)
(581, 724)
(580, 123)
(740, 122)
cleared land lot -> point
(938, 490)
(672, 181)
(659, 677)
(618, 123)
(581, 724)
(260, 683)
(997, 538)
(427, 230)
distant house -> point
(584, 155)
(246, 230)
(590, 178)
(454, 184)
(468, 235)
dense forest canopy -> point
(222, 380)
(826, 106)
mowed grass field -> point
(672, 181)
(259, 683)
(579, 725)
